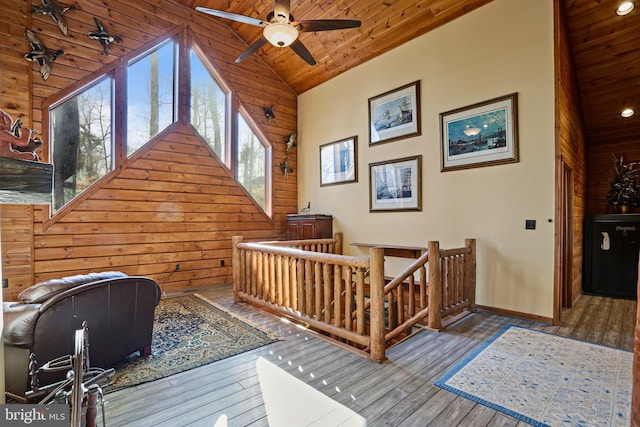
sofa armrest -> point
(19, 324)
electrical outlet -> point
(177, 267)
(530, 224)
(5, 283)
(221, 263)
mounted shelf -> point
(23, 181)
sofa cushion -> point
(40, 292)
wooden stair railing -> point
(344, 296)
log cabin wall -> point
(571, 150)
(171, 203)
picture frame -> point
(339, 162)
(395, 114)
(482, 134)
(396, 185)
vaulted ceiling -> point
(606, 47)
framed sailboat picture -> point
(481, 134)
(395, 114)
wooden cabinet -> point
(309, 227)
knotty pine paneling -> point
(173, 202)
(571, 149)
(600, 158)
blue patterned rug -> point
(546, 380)
(189, 331)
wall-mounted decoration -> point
(339, 162)
(103, 37)
(481, 134)
(285, 168)
(268, 113)
(55, 11)
(396, 185)
(40, 54)
(16, 141)
(291, 141)
(395, 114)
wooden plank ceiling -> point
(606, 47)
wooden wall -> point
(173, 202)
(601, 172)
(570, 150)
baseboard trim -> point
(516, 314)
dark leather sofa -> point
(118, 309)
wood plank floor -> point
(399, 392)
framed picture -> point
(339, 162)
(482, 134)
(395, 115)
(396, 185)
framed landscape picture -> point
(482, 134)
(396, 185)
(395, 114)
(339, 162)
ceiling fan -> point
(281, 29)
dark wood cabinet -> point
(611, 246)
(309, 227)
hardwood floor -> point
(398, 392)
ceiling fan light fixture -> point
(280, 34)
(625, 8)
(627, 112)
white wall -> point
(503, 47)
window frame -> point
(124, 69)
(184, 42)
(240, 110)
(229, 136)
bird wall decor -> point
(291, 141)
(17, 142)
(40, 54)
(285, 168)
(103, 37)
(268, 113)
(55, 11)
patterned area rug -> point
(189, 331)
(546, 380)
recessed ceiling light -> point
(625, 8)
(627, 112)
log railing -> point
(345, 297)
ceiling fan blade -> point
(303, 52)
(325, 24)
(253, 48)
(233, 16)
(282, 8)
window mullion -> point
(120, 120)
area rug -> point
(546, 380)
(189, 331)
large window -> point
(252, 163)
(209, 107)
(90, 136)
(82, 140)
(151, 86)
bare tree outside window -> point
(151, 82)
(251, 171)
(208, 107)
(82, 140)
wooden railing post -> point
(376, 317)
(471, 266)
(337, 249)
(236, 266)
(435, 286)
